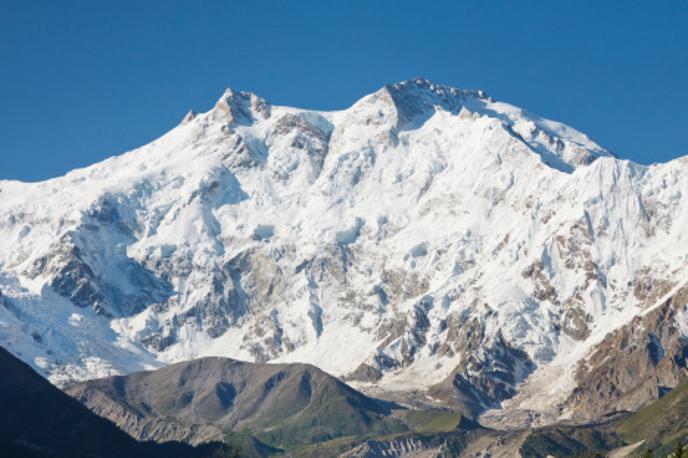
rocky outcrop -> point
(142, 424)
(488, 374)
(636, 364)
(406, 447)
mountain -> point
(209, 398)
(38, 420)
(298, 410)
(269, 409)
(429, 245)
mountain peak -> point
(420, 86)
(241, 107)
(415, 100)
(189, 116)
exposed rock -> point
(635, 364)
(488, 374)
(365, 373)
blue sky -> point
(84, 80)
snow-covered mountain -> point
(426, 240)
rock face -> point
(427, 239)
(635, 364)
(484, 378)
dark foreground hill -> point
(38, 420)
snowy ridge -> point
(426, 232)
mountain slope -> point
(660, 424)
(205, 399)
(655, 428)
(427, 242)
(37, 419)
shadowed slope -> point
(37, 419)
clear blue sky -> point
(84, 80)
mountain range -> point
(430, 246)
(297, 406)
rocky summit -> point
(429, 245)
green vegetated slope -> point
(571, 441)
(657, 427)
(661, 424)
